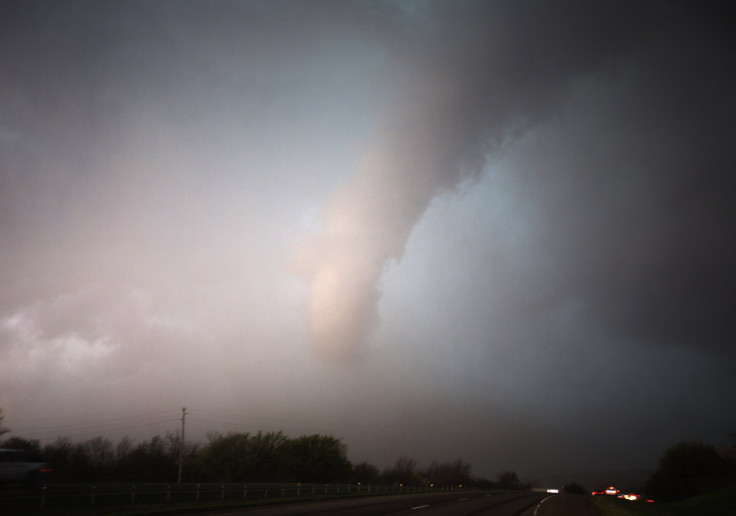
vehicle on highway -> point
(611, 491)
(17, 468)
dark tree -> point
(457, 472)
(507, 480)
(403, 472)
(264, 455)
(239, 457)
(317, 458)
(31, 447)
(366, 473)
(225, 458)
(687, 469)
(99, 453)
(149, 462)
(483, 483)
(123, 448)
(3, 429)
(59, 455)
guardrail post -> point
(222, 492)
(43, 497)
(245, 491)
(92, 498)
(282, 490)
(299, 489)
(168, 494)
(325, 488)
(132, 495)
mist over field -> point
(497, 230)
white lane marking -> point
(536, 509)
(419, 507)
(461, 499)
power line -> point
(90, 425)
(93, 415)
(299, 424)
(82, 429)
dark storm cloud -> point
(470, 78)
(638, 196)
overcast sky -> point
(501, 231)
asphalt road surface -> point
(426, 504)
(563, 505)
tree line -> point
(232, 457)
(686, 469)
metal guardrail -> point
(55, 497)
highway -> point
(476, 503)
(65, 499)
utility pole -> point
(181, 443)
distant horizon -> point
(559, 477)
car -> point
(17, 468)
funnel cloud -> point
(466, 86)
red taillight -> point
(46, 470)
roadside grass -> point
(719, 503)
